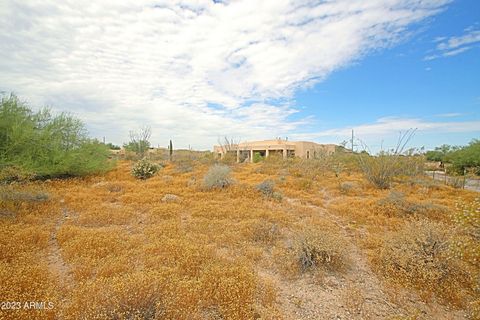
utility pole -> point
(352, 140)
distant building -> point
(285, 148)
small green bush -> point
(257, 157)
(144, 169)
(218, 176)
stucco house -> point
(285, 148)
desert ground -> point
(316, 241)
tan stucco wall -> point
(300, 148)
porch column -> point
(284, 153)
(266, 153)
(238, 155)
(251, 155)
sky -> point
(198, 71)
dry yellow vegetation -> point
(328, 245)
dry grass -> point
(109, 247)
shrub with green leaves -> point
(46, 145)
(144, 169)
(257, 157)
(218, 176)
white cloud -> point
(448, 47)
(449, 115)
(193, 70)
(389, 128)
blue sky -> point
(401, 82)
(198, 70)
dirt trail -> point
(356, 294)
(57, 266)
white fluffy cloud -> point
(192, 70)
(455, 45)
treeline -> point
(461, 159)
(40, 145)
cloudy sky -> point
(196, 71)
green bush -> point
(218, 176)
(44, 145)
(460, 158)
(466, 157)
(144, 169)
(257, 157)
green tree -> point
(466, 157)
(47, 145)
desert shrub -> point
(418, 255)
(321, 249)
(266, 187)
(218, 176)
(348, 186)
(380, 170)
(257, 157)
(144, 169)
(139, 142)
(45, 145)
(395, 204)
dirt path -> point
(356, 294)
(57, 266)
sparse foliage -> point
(380, 170)
(218, 177)
(321, 250)
(139, 141)
(419, 255)
(144, 169)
